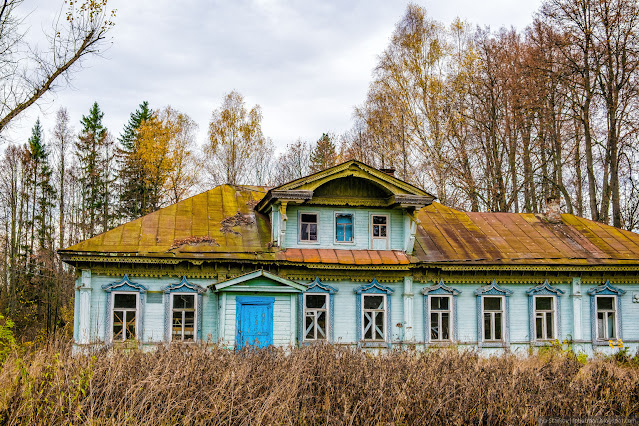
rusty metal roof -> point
(222, 224)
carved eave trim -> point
(411, 201)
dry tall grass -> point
(312, 385)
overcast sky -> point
(306, 63)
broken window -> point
(374, 317)
(125, 307)
(315, 316)
(183, 318)
(308, 227)
(440, 313)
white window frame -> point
(299, 230)
(607, 311)
(328, 313)
(137, 315)
(440, 311)
(195, 316)
(493, 322)
(352, 215)
(387, 237)
(385, 322)
(553, 312)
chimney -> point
(389, 171)
(553, 209)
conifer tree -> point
(324, 155)
(135, 194)
(89, 150)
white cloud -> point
(306, 63)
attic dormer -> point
(349, 206)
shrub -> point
(309, 385)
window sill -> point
(494, 344)
(371, 344)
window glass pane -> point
(183, 301)
(321, 325)
(118, 325)
(445, 326)
(379, 326)
(189, 325)
(498, 326)
(439, 303)
(309, 217)
(304, 232)
(539, 327)
(488, 335)
(368, 325)
(316, 301)
(130, 324)
(605, 303)
(543, 303)
(310, 327)
(492, 303)
(434, 326)
(382, 231)
(611, 326)
(549, 326)
(124, 300)
(375, 230)
(600, 325)
(373, 302)
(379, 220)
(312, 232)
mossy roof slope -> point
(222, 224)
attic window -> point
(308, 227)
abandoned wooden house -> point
(352, 255)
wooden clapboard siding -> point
(361, 228)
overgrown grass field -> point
(311, 385)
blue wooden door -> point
(254, 321)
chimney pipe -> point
(553, 209)
(389, 171)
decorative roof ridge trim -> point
(493, 288)
(183, 283)
(544, 288)
(375, 286)
(606, 288)
(125, 284)
(442, 287)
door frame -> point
(240, 302)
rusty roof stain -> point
(222, 224)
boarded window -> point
(315, 316)
(125, 307)
(374, 321)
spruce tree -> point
(324, 155)
(89, 150)
(135, 194)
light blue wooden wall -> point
(326, 227)
(345, 311)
